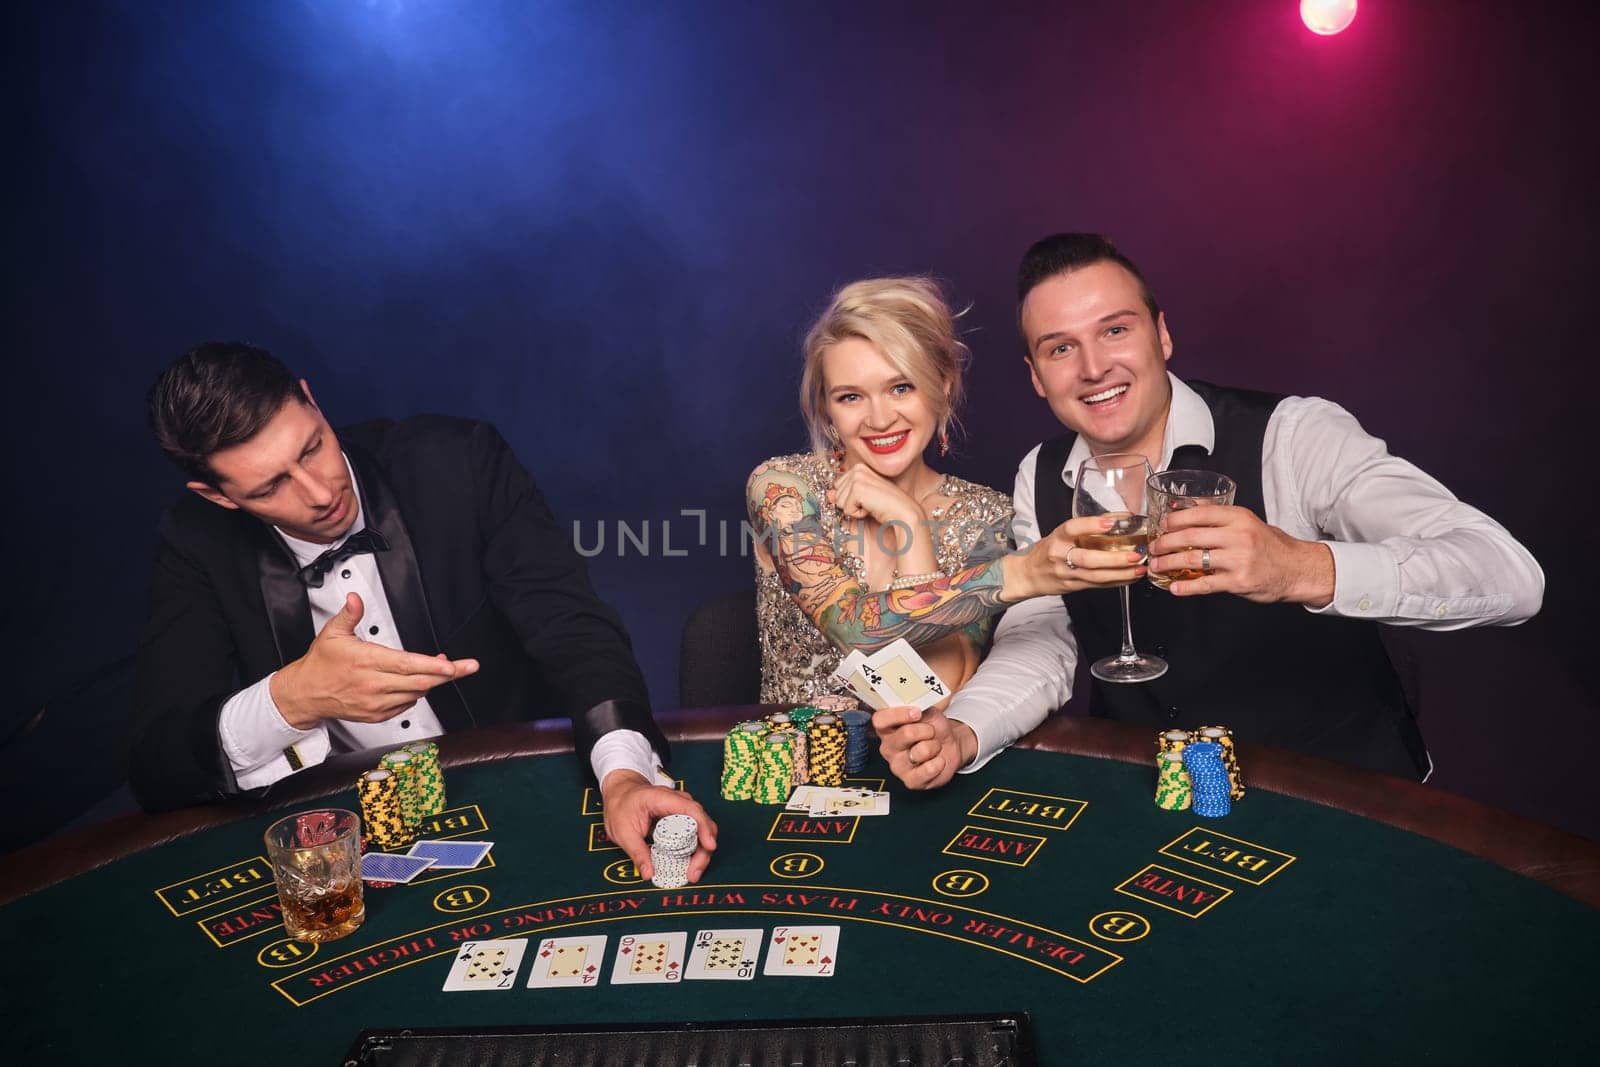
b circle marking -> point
(960, 883)
(286, 953)
(622, 872)
(797, 865)
(461, 898)
(1119, 926)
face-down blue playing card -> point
(383, 867)
(452, 855)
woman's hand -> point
(861, 493)
(1058, 564)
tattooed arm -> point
(784, 513)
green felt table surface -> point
(1285, 932)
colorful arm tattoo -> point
(809, 562)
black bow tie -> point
(314, 572)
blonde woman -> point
(860, 540)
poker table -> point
(1333, 916)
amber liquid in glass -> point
(1129, 534)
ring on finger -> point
(1205, 560)
(1071, 566)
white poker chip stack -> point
(671, 845)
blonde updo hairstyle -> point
(905, 319)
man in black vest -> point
(1329, 536)
(323, 592)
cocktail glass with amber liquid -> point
(1175, 490)
(316, 863)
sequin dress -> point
(797, 662)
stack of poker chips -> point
(403, 766)
(1172, 782)
(741, 760)
(379, 793)
(671, 845)
(421, 781)
(1224, 737)
(429, 776)
(1207, 778)
(785, 722)
(827, 747)
(801, 716)
(858, 740)
(1172, 741)
(857, 728)
(775, 779)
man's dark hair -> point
(1061, 253)
(216, 395)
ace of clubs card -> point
(903, 678)
(567, 961)
(852, 671)
(485, 965)
(728, 955)
(805, 951)
(649, 958)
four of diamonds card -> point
(716, 955)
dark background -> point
(605, 226)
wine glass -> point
(1115, 484)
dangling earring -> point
(836, 454)
(944, 442)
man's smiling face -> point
(1099, 359)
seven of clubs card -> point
(485, 965)
(649, 958)
(567, 961)
(724, 954)
(809, 951)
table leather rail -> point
(1561, 860)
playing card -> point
(803, 951)
(649, 958)
(849, 664)
(852, 670)
(452, 855)
(567, 961)
(387, 867)
(728, 955)
(901, 677)
(802, 796)
(849, 802)
(485, 965)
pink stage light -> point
(1327, 17)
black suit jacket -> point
(477, 567)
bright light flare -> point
(1327, 17)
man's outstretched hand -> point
(343, 677)
(633, 805)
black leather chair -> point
(719, 656)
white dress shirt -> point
(256, 739)
(1405, 551)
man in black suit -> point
(327, 592)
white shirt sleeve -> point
(254, 736)
(1406, 551)
(1028, 671)
(627, 750)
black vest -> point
(1274, 673)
